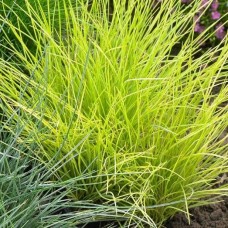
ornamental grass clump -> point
(103, 96)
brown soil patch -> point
(211, 216)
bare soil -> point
(211, 216)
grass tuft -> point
(110, 108)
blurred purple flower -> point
(185, 1)
(204, 3)
(214, 5)
(215, 15)
(199, 28)
(220, 31)
(196, 18)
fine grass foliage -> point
(16, 12)
(101, 95)
(29, 198)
